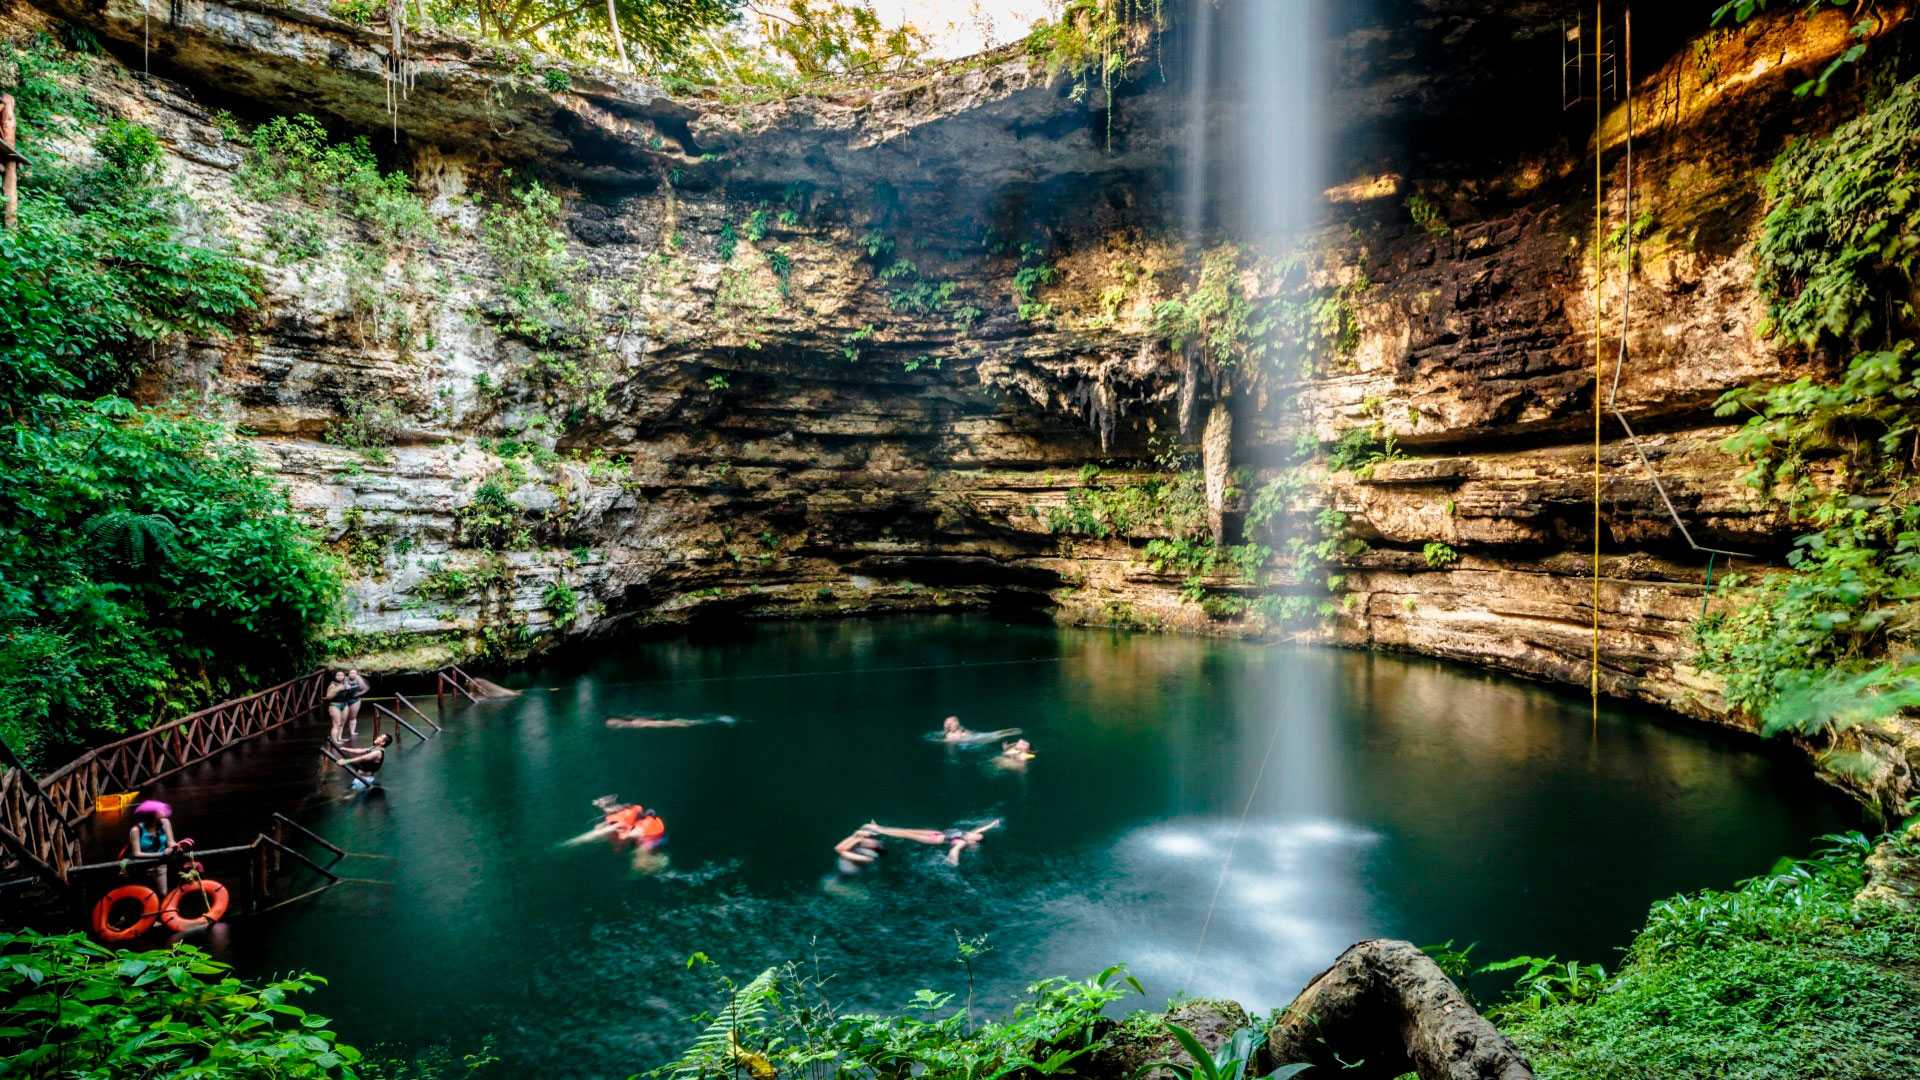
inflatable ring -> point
(102, 921)
(212, 893)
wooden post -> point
(9, 184)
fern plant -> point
(135, 539)
(722, 1050)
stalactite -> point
(399, 70)
(1216, 462)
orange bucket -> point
(114, 803)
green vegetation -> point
(149, 565)
(1033, 272)
(1428, 216)
(1294, 332)
(1216, 315)
(1230, 1062)
(1359, 449)
(77, 1009)
(293, 157)
(1096, 40)
(782, 1022)
(1742, 10)
(1439, 555)
(1807, 648)
(545, 301)
(1780, 976)
(1175, 503)
(490, 520)
(368, 427)
(80, 1010)
(561, 602)
(824, 39)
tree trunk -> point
(1388, 1007)
(619, 44)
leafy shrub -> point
(77, 1009)
(367, 425)
(294, 156)
(1033, 272)
(525, 242)
(560, 600)
(1808, 649)
(1359, 449)
(1439, 555)
(490, 520)
(1780, 976)
(1175, 503)
(149, 564)
(1426, 215)
(782, 1022)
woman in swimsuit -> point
(343, 704)
(152, 835)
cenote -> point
(1402, 797)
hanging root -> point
(1385, 1009)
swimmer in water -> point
(954, 840)
(631, 821)
(1015, 754)
(859, 851)
(650, 722)
(953, 733)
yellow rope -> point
(1599, 270)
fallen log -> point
(1385, 1009)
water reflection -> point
(1400, 798)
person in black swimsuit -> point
(343, 704)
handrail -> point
(170, 725)
(37, 816)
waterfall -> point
(1252, 169)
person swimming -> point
(859, 851)
(954, 840)
(952, 732)
(1015, 754)
(631, 821)
(650, 722)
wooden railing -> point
(36, 838)
(37, 816)
(157, 753)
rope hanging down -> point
(1599, 273)
(1613, 396)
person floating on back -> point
(344, 692)
(365, 765)
(954, 840)
(651, 722)
(951, 731)
(860, 850)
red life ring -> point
(102, 921)
(212, 893)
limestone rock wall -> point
(768, 417)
